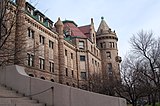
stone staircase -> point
(9, 97)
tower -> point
(20, 33)
(92, 32)
(59, 29)
(107, 42)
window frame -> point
(82, 58)
(30, 33)
(51, 44)
(81, 45)
(83, 75)
(66, 70)
(30, 59)
(41, 64)
(51, 66)
(41, 39)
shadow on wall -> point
(53, 93)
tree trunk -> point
(149, 99)
(154, 99)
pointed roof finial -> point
(59, 22)
(102, 17)
(92, 21)
(103, 27)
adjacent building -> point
(63, 52)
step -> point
(10, 100)
(2, 87)
(9, 97)
(10, 94)
(22, 104)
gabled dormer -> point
(39, 16)
(29, 8)
(48, 22)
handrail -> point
(30, 95)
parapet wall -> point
(61, 95)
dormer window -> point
(40, 18)
(81, 44)
(50, 25)
(30, 10)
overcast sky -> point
(126, 17)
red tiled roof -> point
(86, 30)
(74, 30)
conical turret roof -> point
(103, 27)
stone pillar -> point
(59, 29)
(20, 34)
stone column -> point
(20, 34)
(59, 29)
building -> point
(62, 52)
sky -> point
(126, 17)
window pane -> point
(81, 44)
(82, 58)
(108, 54)
(66, 71)
(83, 75)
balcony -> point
(118, 59)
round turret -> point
(107, 42)
(59, 26)
(21, 4)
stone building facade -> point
(64, 52)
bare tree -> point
(7, 25)
(146, 47)
(134, 85)
(95, 82)
(13, 34)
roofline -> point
(65, 21)
(30, 5)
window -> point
(98, 64)
(108, 54)
(72, 73)
(91, 48)
(41, 63)
(81, 44)
(82, 58)
(41, 39)
(30, 10)
(67, 83)
(50, 44)
(50, 25)
(101, 45)
(66, 71)
(110, 68)
(40, 18)
(111, 44)
(52, 80)
(92, 61)
(95, 62)
(83, 75)
(65, 52)
(73, 85)
(30, 33)
(51, 66)
(30, 59)
(71, 55)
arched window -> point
(31, 75)
(73, 85)
(52, 80)
(67, 83)
(43, 78)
